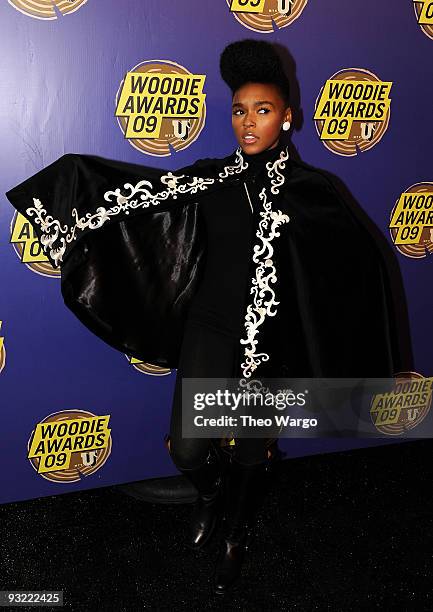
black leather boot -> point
(208, 480)
(245, 487)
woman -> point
(210, 348)
(247, 265)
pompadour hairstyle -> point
(253, 61)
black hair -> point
(253, 61)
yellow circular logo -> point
(147, 368)
(405, 406)
(160, 104)
(46, 9)
(424, 16)
(352, 111)
(28, 248)
(69, 445)
(411, 221)
(260, 15)
(2, 350)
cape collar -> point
(266, 155)
(257, 161)
(277, 161)
(276, 170)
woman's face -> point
(258, 109)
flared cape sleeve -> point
(131, 280)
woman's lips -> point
(249, 139)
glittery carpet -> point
(346, 530)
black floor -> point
(352, 530)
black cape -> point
(131, 245)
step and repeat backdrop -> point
(76, 414)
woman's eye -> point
(239, 110)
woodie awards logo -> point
(424, 15)
(28, 248)
(147, 368)
(161, 104)
(405, 406)
(69, 444)
(411, 221)
(2, 350)
(352, 111)
(259, 15)
(47, 9)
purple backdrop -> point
(59, 79)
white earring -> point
(286, 126)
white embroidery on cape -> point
(56, 237)
(264, 302)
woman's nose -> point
(248, 121)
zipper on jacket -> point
(249, 199)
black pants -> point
(207, 353)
